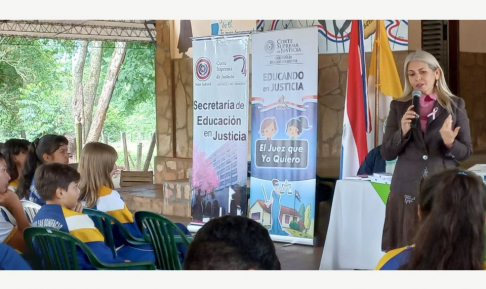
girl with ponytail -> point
(451, 208)
(452, 236)
(295, 126)
(48, 149)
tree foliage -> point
(35, 79)
(204, 175)
(302, 211)
(36, 89)
(308, 219)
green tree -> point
(302, 211)
(308, 220)
(29, 66)
(36, 88)
(42, 111)
(132, 107)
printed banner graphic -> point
(284, 133)
(220, 134)
(334, 35)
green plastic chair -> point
(160, 231)
(103, 222)
(65, 245)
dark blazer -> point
(420, 154)
(373, 163)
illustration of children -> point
(268, 128)
(296, 125)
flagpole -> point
(377, 80)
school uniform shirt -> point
(13, 185)
(393, 259)
(11, 260)
(110, 202)
(34, 195)
(7, 229)
(80, 226)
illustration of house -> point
(260, 213)
(288, 215)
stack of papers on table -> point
(359, 177)
(480, 170)
(382, 178)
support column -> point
(169, 165)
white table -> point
(355, 229)
(480, 170)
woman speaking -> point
(431, 136)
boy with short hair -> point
(232, 243)
(57, 184)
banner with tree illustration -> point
(284, 133)
(220, 134)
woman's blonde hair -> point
(443, 92)
(95, 165)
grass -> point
(298, 234)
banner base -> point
(293, 240)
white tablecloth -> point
(355, 229)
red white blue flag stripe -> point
(357, 118)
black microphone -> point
(416, 106)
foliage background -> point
(36, 91)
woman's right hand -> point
(407, 120)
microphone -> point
(416, 106)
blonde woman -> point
(96, 167)
(440, 139)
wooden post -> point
(139, 156)
(131, 159)
(105, 139)
(79, 140)
(149, 154)
(125, 151)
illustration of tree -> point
(204, 175)
(307, 221)
(302, 212)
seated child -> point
(57, 184)
(232, 243)
(452, 205)
(48, 149)
(96, 166)
(15, 152)
(9, 233)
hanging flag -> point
(357, 120)
(390, 86)
(297, 195)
